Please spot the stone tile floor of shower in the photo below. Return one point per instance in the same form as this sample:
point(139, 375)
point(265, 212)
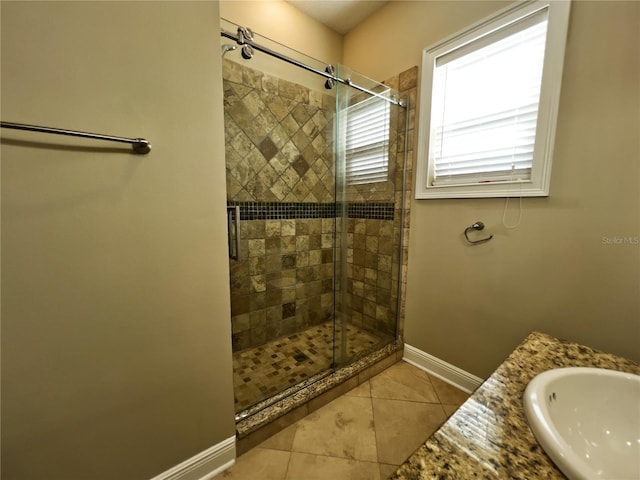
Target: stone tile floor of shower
point(362, 435)
point(262, 371)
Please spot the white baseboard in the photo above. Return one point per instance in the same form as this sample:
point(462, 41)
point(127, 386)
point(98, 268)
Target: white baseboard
point(441, 369)
point(205, 465)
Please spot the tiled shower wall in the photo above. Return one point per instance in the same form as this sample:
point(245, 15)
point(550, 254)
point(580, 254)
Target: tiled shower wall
point(406, 83)
point(280, 172)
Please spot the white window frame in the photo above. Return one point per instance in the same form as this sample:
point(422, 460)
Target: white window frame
point(538, 184)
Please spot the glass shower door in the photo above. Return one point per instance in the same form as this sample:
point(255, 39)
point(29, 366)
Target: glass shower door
point(370, 160)
point(280, 176)
point(315, 193)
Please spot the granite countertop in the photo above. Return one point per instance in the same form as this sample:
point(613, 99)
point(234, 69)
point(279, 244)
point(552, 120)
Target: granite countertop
point(488, 437)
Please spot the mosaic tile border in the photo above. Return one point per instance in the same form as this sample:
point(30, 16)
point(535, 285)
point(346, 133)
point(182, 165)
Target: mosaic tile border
point(291, 210)
point(372, 211)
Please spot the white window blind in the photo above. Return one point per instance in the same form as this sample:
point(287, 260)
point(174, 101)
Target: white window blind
point(367, 141)
point(485, 101)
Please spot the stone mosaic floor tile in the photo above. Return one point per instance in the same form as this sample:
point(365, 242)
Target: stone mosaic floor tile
point(262, 371)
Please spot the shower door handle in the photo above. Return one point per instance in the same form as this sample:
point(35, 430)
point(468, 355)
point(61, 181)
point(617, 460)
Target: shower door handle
point(233, 229)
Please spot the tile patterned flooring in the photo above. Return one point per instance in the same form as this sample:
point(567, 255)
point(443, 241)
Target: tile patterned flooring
point(362, 435)
point(260, 372)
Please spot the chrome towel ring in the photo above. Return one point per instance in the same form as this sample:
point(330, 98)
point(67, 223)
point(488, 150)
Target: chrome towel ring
point(476, 226)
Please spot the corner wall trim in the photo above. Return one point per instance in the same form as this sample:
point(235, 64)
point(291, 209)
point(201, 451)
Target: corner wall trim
point(204, 465)
point(439, 368)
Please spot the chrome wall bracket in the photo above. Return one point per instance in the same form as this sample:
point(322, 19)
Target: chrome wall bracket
point(245, 35)
point(330, 83)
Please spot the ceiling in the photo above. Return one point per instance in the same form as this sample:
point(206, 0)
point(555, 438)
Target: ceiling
point(339, 15)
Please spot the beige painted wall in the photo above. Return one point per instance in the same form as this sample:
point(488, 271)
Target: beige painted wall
point(391, 40)
point(116, 341)
point(283, 23)
point(556, 273)
point(288, 31)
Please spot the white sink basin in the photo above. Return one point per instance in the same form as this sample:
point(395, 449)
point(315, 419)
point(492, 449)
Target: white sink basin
point(588, 421)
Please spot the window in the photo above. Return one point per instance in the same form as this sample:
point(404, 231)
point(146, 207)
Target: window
point(487, 125)
point(367, 141)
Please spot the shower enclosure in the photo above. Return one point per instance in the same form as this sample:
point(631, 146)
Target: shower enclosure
point(315, 175)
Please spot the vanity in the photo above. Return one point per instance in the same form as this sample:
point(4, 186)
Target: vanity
point(489, 437)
